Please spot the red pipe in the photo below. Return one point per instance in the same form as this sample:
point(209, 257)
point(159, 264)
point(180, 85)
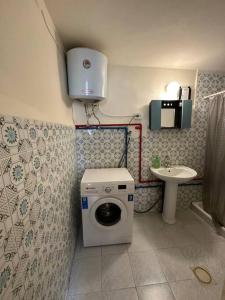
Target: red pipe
point(138, 126)
point(107, 125)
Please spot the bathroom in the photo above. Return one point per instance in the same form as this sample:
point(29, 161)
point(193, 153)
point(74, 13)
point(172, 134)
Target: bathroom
point(48, 140)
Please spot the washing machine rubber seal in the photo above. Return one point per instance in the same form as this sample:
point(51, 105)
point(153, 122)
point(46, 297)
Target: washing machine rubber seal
point(116, 201)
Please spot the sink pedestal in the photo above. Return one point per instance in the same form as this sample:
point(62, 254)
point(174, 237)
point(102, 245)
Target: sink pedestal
point(172, 177)
point(170, 201)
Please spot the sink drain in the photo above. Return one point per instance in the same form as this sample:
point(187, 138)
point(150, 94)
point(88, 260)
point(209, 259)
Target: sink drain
point(202, 275)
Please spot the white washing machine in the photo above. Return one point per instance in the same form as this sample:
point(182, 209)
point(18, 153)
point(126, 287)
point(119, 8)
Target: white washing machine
point(107, 206)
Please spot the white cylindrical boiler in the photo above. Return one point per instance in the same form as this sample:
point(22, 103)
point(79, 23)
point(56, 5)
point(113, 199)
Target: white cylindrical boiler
point(87, 74)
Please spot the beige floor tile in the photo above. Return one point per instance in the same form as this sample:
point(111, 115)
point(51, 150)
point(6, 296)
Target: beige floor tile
point(85, 276)
point(123, 294)
point(115, 249)
point(191, 289)
point(201, 231)
point(146, 268)
point(142, 241)
point(155, 292)
point(187, 216)
point(197, 254)
point(208, 256)
point(82, 251)
point(89, 296)
point(116, 272)
point(174, 265)
point(160, 239)
point(148, 222)
point(179, 235)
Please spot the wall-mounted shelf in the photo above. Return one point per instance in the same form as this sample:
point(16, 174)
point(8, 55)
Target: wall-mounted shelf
point(170, 114)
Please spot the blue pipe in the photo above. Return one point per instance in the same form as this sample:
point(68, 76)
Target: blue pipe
point(159, 185)
point(192, 184)
point(147, 186)
point(95, 127)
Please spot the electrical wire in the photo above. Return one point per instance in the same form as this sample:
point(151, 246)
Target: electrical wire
point(90, 112)
point(94, 114)
point(54, 39)
point(73, 113)
point(155, 203)
point(150, 208)
point(125, 150)
point(114, 116)
point(59, 46)
point(87, 113)
point(132, 118)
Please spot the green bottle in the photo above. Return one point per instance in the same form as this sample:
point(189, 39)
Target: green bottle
point(156, 162)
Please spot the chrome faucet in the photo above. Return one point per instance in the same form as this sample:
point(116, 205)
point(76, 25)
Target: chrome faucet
point(167, 162)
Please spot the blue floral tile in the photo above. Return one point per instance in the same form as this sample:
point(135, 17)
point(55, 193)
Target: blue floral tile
point(6, 274)
point(37, 185)
point(41, 146)
point(10, 134)
point(32, 133)
point(28, 239)
point(23, 207)
point(17, 173)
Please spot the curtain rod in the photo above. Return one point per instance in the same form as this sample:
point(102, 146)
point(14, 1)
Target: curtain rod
point(212, 95)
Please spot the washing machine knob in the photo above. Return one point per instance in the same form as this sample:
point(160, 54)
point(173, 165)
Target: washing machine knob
point(108, 189)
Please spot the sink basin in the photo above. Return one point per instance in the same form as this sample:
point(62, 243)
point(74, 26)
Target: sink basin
point(179, 174)
point(172, 177)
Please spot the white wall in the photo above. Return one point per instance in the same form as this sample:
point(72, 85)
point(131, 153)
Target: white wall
point(32, 69)
point(130, 89)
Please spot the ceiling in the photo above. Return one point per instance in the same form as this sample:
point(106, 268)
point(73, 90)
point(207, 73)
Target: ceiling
point(151, 33)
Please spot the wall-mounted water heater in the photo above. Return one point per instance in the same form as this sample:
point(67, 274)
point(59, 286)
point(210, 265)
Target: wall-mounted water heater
point(87, 74)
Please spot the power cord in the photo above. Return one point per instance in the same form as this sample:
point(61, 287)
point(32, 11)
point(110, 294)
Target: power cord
point(150, 208)
point(73, 113)
point(115, 116)
point(88, 116)
point(94, 114)
point(90, 112)
point(125, 150)
point(58, 45)
point(154, 204)
point(132, 118)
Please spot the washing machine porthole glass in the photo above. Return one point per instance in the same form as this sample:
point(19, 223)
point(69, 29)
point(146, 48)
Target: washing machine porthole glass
point(108, 214)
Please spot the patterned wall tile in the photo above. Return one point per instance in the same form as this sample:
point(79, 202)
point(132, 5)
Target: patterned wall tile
point(101, 148)
point(37, 205)
point(98, 148)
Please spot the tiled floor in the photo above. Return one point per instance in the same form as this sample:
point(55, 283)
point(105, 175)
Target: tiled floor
point(156, 266)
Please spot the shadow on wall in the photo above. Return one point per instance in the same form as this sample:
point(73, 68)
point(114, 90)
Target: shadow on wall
point(61, 56)
point(62, 71)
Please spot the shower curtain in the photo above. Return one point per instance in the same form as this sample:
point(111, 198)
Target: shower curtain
point(214, 177)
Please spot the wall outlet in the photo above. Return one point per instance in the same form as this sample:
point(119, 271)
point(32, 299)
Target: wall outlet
point(138, 117)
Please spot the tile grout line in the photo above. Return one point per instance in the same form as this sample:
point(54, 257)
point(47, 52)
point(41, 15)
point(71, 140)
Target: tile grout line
point(101, 270)
point(132, 271)
point(175, 298)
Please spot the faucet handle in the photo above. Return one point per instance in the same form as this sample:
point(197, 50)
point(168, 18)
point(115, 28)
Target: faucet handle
point(167, 161)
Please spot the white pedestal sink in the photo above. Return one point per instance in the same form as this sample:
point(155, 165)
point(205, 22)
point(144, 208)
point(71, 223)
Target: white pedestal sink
point(172, 177)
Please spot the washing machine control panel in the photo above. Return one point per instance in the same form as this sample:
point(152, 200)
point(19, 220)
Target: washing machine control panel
point(107, 188)
point(117, 188)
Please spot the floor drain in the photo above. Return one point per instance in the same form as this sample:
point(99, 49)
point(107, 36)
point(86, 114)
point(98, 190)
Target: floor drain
point(202, 275)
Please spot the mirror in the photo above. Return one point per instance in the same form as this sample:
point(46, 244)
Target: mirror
point(167, 118)
point(170, 114)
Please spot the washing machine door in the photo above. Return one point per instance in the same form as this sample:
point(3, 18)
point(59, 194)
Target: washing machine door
point(108, 213)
